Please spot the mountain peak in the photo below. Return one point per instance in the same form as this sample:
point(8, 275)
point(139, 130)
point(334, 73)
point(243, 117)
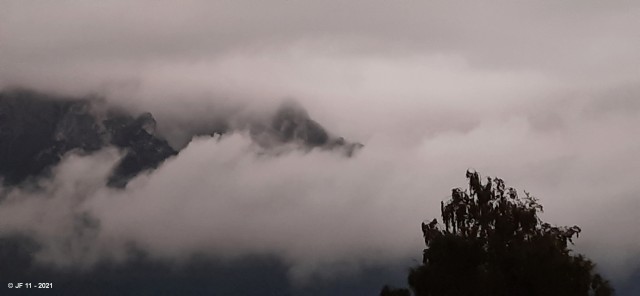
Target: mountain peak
point(36, 130)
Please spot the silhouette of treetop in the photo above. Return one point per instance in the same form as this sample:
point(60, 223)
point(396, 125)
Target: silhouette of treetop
point(493, 243)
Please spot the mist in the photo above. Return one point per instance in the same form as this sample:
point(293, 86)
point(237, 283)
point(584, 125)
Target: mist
point(543, 95)
point(223, 197)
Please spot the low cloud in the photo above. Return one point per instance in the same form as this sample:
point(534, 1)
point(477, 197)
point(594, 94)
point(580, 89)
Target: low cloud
point(319, 211)
point(542, 95)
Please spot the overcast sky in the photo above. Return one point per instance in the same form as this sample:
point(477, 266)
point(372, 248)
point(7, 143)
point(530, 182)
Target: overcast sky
point(544, 94)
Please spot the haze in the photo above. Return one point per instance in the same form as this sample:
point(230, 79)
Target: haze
point(542, 94)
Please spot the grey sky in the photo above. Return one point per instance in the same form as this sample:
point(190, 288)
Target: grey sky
point(542, 93)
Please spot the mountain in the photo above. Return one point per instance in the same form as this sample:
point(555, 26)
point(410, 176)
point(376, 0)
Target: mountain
point(291, 124)
point(37, 129)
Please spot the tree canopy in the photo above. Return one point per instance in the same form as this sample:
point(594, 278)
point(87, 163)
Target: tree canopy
point(492, 242)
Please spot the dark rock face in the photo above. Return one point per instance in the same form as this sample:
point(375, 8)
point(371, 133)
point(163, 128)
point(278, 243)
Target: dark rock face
point(37, 129)
point(136, 136)
point(292, 124)
point(28, 127)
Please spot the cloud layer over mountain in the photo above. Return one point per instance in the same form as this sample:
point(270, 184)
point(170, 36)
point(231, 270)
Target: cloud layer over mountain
point(544, 95)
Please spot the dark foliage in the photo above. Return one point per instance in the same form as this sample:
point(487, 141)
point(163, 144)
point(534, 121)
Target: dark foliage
point(493, 243)
point(391, 291)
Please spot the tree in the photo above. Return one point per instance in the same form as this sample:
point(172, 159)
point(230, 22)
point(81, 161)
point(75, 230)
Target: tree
point(494, 243)
point(390, 291)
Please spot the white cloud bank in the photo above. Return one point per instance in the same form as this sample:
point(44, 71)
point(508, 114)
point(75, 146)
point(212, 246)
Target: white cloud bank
point(319, 211)
point(542, 95)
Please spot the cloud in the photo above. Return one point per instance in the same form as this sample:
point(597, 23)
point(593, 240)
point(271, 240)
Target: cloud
point(543, 95)
point(264, 51)
point(51, 213)
point(361, 68)
point(318, 211)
